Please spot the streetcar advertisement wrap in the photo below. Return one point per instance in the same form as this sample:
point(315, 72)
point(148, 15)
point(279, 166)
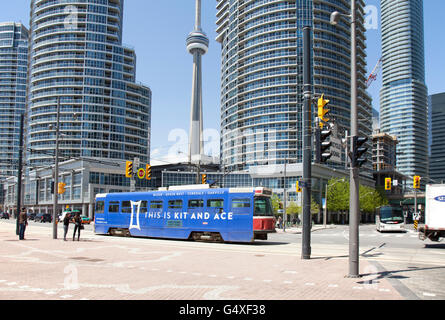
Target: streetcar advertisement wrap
point(213, 214)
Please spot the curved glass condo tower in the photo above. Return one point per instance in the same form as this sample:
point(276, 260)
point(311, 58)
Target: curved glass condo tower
point(77, 56)
point(262, 76)
point(403, 97)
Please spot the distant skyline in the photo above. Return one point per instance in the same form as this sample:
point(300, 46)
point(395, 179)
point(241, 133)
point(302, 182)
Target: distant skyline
point(157, 31)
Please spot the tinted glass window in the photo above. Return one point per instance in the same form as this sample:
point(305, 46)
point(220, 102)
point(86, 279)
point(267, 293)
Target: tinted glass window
point(126, 207)
point(144, 206)
point(175, 204)
point(241, 203)
point(100, 206)
point(263, 207)
point(215, 203)
point(113, 207)
point(156, 205)
point(196, 203)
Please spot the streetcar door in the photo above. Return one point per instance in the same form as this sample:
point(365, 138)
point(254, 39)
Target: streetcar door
point(242, 210)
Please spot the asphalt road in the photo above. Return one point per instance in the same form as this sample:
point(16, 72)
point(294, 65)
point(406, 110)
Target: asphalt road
point(416, 267)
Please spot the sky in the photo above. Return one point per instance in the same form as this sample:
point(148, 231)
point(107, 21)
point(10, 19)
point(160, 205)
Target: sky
point(157, 30)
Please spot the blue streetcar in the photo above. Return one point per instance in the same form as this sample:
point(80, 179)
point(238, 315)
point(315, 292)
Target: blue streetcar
point(188, 212)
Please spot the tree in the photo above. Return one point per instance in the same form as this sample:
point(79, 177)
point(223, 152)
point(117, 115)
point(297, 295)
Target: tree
point(275, 203)
point(293, 208)
point(338, 195)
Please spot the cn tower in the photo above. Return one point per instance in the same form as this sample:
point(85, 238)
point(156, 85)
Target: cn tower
point(197, 45)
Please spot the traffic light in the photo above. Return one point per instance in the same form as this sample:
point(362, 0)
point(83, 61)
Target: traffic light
point(61, 188)
point(358, 151)
point(322, 153)
point(204, 179)
point(417, 182)
point(322, 111)
point(129, 169)
point(388, 184)
point(148, 171)
point(299, 190)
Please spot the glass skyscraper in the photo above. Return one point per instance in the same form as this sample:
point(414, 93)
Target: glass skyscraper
point(76, 54)
point(403, 97)
point(262, 77)
point(437, 137)
point(13, 73)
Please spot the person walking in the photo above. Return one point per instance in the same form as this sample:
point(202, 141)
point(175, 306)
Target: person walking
point(77, 226)
point(66, 224)
point(23, 222)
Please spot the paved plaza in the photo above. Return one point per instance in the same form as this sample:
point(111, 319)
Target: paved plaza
point(110, 268)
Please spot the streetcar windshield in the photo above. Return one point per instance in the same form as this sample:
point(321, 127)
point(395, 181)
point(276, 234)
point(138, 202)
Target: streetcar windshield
point(263, 207)
point(391, 214)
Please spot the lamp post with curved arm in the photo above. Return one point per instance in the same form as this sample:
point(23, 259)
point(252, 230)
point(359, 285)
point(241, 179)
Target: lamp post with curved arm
point(354, 200)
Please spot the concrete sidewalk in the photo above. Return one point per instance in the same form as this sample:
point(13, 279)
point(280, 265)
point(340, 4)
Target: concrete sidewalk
point(110, 268)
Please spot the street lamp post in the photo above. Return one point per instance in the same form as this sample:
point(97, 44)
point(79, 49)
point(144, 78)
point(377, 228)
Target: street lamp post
point(354, 201)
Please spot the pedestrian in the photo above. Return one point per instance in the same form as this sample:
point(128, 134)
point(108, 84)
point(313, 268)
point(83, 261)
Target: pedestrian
point(23, 222)
point(280, 222)
point(77, 226)
point(66, 224)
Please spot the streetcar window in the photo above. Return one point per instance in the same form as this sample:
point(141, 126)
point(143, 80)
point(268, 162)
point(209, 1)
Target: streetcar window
point(241, 203)
point(144, 206)
point(100, 206)
point(196, 203)
point(215, 203)
point(156, 205)
point(126, 207)
point(113, 206)
point(263, 207)
point(175, 204)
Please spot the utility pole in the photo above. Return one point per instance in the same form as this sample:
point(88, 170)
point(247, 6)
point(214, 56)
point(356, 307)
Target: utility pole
point(307, 144)
point(56, 172)
point(19, 171)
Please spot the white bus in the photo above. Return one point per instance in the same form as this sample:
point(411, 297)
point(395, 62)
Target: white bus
point(390, 218)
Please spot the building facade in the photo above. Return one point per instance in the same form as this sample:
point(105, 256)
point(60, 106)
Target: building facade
point(262, 77)
point(403, 97)
point(437, 135)
point(384, 151)
point(13, 75)
point(77, 56)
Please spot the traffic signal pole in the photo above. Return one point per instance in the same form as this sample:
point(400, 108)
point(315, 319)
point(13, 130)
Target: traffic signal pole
point(307, 145)
point(354, 204)
point(19, 173)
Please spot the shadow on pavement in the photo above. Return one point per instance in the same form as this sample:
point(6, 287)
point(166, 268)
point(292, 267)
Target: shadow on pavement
point(435, 246)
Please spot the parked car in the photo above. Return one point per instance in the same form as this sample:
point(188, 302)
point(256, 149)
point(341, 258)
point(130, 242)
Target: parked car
point(4, 215)
point(86, 220)
point(31, 215)
point(43, 217)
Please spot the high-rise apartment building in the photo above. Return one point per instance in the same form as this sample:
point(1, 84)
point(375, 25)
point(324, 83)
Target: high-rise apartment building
point(76, 54)
point(403, 97)
point(437, 136)
point(13, 73)
point(262, 77)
